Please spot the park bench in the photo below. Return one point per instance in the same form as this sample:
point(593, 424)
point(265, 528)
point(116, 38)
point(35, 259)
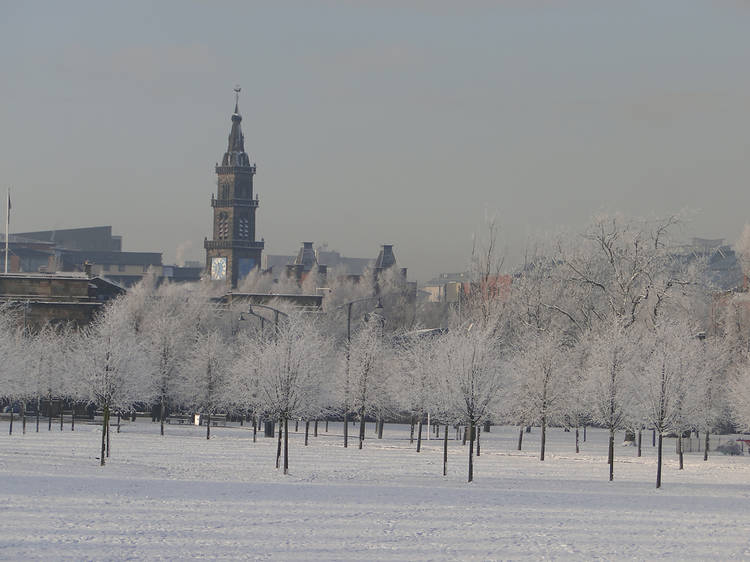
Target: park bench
point(180, 420)
point(217, 420)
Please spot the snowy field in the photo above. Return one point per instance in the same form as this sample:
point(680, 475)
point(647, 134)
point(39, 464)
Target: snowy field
point(181, 496)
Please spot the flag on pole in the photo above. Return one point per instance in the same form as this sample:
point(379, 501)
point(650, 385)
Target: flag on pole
point(7, 232)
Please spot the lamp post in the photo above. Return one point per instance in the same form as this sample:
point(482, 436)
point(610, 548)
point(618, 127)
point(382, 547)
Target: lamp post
point(349, 306)
point(276, 313)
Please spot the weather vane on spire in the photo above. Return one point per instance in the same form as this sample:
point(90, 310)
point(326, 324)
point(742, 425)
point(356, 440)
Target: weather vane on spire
point(237, 91)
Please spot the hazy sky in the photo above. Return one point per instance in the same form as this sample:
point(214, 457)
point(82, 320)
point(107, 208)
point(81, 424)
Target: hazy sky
point(379, 122)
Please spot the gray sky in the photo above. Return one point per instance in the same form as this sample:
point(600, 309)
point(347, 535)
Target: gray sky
point(379, 122)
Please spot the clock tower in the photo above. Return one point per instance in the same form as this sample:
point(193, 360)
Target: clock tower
point(233, 252)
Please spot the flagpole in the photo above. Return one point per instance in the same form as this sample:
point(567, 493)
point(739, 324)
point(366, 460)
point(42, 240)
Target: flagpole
point(7, 228)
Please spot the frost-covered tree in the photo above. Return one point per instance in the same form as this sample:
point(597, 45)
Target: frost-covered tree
point(739, 391)
point(608, 389)
point(13, 350)
point(47, 359)
point(286, 373)
point(168, 329)
point(626, 269)
point(415, 386)
point(109, 361)
point(709, 387)
point(468, 365)
point(660, 385)
point(366, 373)
point(541, 385)
point(742, 249)
point(205, 376)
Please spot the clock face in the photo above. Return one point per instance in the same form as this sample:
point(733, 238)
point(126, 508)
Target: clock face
point(218, 268)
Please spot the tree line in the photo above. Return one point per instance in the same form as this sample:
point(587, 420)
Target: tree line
point(616, 326)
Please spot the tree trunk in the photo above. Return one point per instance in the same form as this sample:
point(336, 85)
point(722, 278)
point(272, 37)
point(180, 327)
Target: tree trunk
point(61, 417)
point(653, 437)
point(361, 427)
point(478, 431)
point(208, 426)
point(326, 425)
point(161, 414)
point(286, 445)
point(307, 431)
point(296, 427)
point(658, 463)
point(445, 451)
point(578, 448)
point(640, 438)
point(346, 430)
point(73, 419)
point(544, 436)
point(23, 418)
point(49, 415)
point(37, 414)
point(411, 432)
point(584, 433)
point(10, 429)
point(679, 448)
point(381, 423)
point(520, 438)
point(108, 414)
point(419, 436)
point(104, 436)
point(471, 450)
point(611, 455)
point(315, 429)
point(466, 434)
point(118, 422)
point(705, 448)
point(278, 443)
point(255, 429)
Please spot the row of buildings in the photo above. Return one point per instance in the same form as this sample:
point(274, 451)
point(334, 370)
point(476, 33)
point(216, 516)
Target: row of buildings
point(83, 267)
point(67, 258)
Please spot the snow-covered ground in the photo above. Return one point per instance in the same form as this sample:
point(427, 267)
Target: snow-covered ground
point(181, 496)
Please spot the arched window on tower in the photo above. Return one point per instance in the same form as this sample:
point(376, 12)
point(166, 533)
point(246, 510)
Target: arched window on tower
point(244, 228)
point(223, 226)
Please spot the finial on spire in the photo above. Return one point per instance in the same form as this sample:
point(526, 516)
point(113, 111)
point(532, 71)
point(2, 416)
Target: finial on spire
point(237, 91)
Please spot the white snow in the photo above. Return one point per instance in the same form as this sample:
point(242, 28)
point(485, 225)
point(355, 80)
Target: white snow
point(181, 496)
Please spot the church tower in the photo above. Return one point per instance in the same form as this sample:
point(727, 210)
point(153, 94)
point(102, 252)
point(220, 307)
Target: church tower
point(233, 251)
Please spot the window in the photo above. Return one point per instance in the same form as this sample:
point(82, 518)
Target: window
point(222, 226)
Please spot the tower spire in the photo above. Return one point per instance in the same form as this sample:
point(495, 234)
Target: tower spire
point(237, 91)
point(235, 154)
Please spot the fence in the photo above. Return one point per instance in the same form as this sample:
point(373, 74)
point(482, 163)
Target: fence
point(697, 444)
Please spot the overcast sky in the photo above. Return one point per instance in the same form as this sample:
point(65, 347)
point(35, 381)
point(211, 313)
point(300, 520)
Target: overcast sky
point(379, 122)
